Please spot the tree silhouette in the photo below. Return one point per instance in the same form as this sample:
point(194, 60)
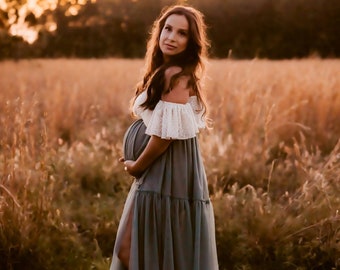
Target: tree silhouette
point(87, 28)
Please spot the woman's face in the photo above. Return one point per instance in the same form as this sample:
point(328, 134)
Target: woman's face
point(174, 36)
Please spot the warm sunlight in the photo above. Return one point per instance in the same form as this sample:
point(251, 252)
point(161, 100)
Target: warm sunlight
point(3, 5)
point(34, 8)
point(73, 10)
point(17, 15)
point(18, 25)
point(29, 34)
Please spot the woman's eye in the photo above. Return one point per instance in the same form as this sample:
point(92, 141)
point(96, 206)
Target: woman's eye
point(183, 33)
point(168, 28)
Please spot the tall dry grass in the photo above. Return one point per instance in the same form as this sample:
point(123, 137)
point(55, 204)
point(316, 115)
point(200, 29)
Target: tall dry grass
point(272, 160)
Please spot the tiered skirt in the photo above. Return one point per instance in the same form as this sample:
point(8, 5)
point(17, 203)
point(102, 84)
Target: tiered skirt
point(172, 217)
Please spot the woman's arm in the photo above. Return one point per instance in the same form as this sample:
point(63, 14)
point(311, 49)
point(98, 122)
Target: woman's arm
point(155, 147)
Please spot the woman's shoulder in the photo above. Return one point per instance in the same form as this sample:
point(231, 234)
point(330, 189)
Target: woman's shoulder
point(172, 70)
point(177, 91)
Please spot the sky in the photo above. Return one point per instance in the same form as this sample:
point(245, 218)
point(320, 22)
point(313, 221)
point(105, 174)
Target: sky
point(17, 14)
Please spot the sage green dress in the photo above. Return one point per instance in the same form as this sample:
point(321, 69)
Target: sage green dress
point(173, 221)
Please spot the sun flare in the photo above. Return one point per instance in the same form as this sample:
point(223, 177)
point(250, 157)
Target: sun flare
point(29, 34)
point(18, 26)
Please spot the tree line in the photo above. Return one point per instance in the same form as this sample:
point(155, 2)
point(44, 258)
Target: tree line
point(273, 29)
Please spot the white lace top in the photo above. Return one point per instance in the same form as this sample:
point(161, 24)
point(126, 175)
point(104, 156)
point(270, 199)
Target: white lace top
point(171, 120)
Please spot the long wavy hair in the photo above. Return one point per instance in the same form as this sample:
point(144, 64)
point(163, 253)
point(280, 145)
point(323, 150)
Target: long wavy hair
point(191, 60)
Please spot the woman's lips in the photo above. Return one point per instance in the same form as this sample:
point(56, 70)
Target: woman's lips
point(170, 47)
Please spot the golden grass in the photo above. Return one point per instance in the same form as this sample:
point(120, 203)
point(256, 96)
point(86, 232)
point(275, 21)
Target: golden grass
point(272, 160)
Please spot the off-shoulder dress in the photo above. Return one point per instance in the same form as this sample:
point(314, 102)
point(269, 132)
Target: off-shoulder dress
point(173, 221)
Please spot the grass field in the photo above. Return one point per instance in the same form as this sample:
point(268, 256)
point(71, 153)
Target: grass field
point(272, 159)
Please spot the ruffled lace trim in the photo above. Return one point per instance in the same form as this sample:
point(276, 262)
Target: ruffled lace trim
point(198, 112)
point(171, 120)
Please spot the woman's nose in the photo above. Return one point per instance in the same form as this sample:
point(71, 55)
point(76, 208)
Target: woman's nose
point(172, 36)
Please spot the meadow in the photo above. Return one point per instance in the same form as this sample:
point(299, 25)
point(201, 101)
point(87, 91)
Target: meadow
point(272, 158)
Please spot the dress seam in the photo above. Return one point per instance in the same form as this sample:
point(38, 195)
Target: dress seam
point(173, 197)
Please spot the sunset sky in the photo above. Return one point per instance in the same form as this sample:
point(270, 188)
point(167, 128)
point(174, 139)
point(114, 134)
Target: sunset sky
point(17, 14)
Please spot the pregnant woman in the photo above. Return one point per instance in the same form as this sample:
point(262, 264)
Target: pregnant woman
point(168, 220)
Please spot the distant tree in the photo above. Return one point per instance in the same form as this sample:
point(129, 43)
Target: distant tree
point(273, 29)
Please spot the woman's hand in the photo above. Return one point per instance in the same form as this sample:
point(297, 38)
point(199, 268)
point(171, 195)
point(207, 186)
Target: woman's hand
point(130, 167)
point(155, 147)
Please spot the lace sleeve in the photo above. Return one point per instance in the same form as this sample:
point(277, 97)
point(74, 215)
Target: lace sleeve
point(143, 113)
point(172, 121)
point(198, 112)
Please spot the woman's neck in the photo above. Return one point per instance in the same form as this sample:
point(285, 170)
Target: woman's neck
point(166, 59)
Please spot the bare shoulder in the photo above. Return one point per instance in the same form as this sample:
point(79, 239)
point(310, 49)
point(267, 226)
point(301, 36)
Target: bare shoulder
point(179, 93)
point(171, 71)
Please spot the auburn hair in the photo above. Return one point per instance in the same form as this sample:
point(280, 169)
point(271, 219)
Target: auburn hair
point(191, 60)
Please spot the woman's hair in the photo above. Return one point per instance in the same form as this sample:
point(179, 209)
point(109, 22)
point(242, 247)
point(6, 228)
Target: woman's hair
point(191, 60)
